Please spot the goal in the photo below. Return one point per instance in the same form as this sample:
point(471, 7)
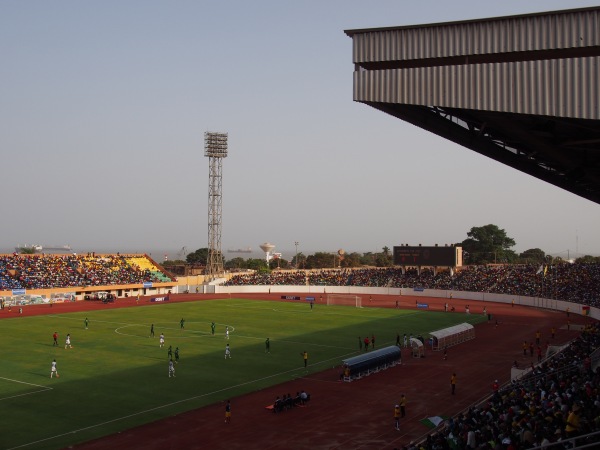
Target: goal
point(344, 300)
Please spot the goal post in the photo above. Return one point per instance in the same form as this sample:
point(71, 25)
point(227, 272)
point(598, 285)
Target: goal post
point(344, 300)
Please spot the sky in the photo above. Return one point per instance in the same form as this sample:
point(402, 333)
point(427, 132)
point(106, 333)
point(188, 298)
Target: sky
point(104, 105)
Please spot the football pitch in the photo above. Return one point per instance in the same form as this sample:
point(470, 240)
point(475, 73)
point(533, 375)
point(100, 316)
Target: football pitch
point(116, 375)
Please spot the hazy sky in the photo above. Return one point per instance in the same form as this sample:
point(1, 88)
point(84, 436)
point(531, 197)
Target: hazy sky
point(104, 105)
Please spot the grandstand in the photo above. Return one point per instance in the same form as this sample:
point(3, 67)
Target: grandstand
point(81, 276)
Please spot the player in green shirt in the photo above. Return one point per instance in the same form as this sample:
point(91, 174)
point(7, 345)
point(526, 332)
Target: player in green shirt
point(212, 328)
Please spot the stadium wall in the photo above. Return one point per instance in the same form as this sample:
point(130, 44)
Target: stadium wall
point(534, 302)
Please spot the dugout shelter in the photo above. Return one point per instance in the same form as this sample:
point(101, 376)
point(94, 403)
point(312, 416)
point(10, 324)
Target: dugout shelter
point(372, 362)
point(454, 335)
point(417, 348)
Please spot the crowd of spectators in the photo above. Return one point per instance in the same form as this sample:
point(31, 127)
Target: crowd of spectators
point(58, 271)
point(294, 278)
point(557, 401)
point(569, 282)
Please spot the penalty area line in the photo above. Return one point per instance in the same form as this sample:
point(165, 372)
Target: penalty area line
point(38, 391)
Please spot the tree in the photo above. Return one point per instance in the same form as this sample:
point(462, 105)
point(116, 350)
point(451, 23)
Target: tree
point(533, 256)
point(488, 244)
point(301, 262)
point(235, 263)
point(588, 259)
point(384, 259)
point(259, 265)
point(200, 256)
point(351, 260)
point(277, 263)
point(322, 260)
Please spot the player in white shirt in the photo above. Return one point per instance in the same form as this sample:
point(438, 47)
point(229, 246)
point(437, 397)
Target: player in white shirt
point(68, 341)
point(171, 369)
point(161, 340)
point(54, 370)
point(227, 352)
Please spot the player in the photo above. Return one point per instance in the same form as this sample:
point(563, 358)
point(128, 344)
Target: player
point(161, 340)
point(181, 323)
point(86, 322)
point(53, 369)
point(227, 352)
point(228, 412)
point(212, 328)
point(170, 352)
point(171, 369)
point(68, 341)
point(176, 355)
point(55, 337)
point(227, 333)
point(267, 346)
point(152, 330)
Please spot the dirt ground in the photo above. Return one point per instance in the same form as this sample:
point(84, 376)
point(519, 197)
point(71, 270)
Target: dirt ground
point(356, 415)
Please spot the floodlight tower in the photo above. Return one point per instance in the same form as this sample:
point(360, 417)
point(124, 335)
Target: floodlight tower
point(215, 147)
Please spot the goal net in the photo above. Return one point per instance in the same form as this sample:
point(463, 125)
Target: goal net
point(344, 300)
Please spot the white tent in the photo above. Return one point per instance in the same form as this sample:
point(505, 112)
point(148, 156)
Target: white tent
point(450, 336)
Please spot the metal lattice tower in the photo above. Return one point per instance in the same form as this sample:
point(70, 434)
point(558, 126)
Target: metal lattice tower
point(215, 147)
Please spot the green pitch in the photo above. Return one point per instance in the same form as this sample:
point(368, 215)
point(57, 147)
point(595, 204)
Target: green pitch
point(116, 375)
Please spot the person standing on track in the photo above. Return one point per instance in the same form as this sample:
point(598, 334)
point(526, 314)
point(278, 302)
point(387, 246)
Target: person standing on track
point(402, 405)
point(228, 412)
point(397, 417)
point(453, 383)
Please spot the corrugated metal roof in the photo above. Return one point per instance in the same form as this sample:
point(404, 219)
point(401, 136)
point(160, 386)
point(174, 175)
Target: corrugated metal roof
point(561, 88)
point(577, 28)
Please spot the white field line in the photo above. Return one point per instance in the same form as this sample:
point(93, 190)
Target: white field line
point(43, 388)
point(139, 413)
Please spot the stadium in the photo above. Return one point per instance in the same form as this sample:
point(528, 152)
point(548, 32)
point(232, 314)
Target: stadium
point(530, 330)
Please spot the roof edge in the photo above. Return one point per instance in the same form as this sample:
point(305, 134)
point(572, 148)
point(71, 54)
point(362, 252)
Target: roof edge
point(352, 32)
